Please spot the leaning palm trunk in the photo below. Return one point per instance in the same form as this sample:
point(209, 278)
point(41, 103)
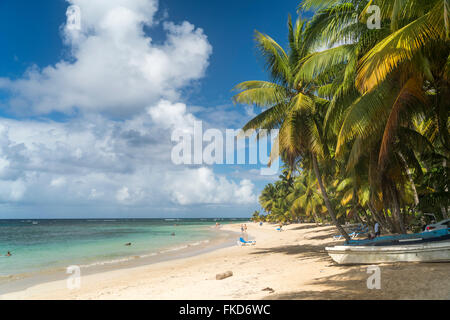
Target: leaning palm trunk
point(327, 200)
point(357, 215)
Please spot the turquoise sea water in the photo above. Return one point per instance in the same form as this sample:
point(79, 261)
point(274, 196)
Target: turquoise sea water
point(38, 245)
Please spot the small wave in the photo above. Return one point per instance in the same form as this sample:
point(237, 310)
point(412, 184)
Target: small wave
point(174, 249)
point(192, 244)
point(102, 263)
point(149, 255)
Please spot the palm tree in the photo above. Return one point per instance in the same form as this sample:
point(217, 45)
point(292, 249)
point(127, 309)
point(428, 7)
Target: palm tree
point(305, 196)
point(379, 81)
point(267, 198)
point(291, 106)
point(255, 216)
point(370, 113)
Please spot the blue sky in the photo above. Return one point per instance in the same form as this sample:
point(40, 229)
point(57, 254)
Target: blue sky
point(86, 115)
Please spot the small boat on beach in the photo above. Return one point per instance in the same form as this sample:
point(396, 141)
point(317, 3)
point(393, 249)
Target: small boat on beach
point(420, 247)
point(400, 239)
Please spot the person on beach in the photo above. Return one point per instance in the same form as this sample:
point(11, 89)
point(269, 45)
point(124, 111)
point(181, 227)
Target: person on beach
point(244, 232)
point(377, 229)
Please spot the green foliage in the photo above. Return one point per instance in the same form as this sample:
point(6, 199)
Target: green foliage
point(369, 107)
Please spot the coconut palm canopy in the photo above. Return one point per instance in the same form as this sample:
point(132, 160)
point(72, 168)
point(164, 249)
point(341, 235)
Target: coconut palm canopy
point(362, 112)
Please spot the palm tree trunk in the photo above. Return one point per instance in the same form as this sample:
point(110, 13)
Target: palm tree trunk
point(356, 207)
point(391, 221)
point(384, 223)
point(392, 201)
point(397, 212)
point(327, 200)
point(444, 212)
point(410, 178)
point(357, 216)
point(444, 209)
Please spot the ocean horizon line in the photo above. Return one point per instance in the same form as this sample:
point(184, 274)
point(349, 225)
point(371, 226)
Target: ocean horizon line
point(112, 218)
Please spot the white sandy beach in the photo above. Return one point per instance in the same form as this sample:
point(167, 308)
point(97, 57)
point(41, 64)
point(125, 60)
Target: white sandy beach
point(283, 265)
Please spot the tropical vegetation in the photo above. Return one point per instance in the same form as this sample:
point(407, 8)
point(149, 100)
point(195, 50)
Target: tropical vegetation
point(362, 113)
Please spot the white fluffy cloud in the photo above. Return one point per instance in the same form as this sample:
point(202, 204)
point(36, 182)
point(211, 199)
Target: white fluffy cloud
point(172, 116)
point(115, 67)
point(193, 186)
point(92, 159)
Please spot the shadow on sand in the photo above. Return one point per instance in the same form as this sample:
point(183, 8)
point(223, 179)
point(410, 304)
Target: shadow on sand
point(398, 280)
point(303, 251)
point(313, 226)
point(350, 285)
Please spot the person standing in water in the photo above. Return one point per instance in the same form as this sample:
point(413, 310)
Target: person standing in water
point(9, 254)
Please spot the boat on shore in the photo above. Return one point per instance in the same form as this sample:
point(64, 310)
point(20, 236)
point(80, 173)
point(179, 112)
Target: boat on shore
point(420, 247)
point(401, 239)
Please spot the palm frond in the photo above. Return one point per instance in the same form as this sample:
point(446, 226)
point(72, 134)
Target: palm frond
point(401, 46)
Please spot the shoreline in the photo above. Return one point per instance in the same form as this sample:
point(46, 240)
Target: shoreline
point(20, 282)
point(283, 265)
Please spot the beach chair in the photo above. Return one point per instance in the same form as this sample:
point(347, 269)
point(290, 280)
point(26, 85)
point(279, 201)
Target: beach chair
point(241, 242)
point(340, 237)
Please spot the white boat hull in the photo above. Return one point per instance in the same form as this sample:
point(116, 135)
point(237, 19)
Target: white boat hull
point(427, 252)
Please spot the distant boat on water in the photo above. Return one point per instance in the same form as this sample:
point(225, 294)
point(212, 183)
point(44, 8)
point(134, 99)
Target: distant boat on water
point(420, 247)
point(35, 222)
